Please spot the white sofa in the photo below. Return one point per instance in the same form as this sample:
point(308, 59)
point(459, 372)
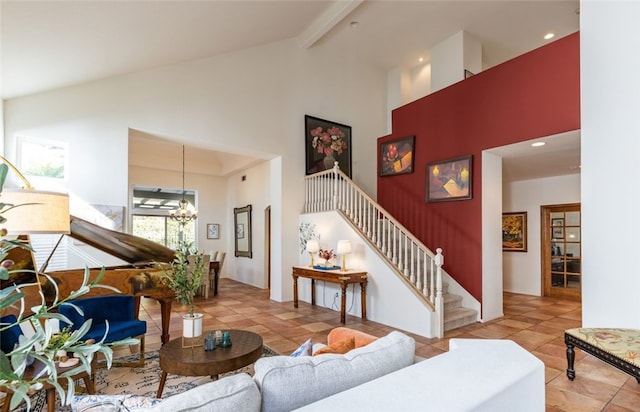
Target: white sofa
point(474, 375)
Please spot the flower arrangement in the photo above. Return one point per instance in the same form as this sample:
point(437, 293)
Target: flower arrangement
point(326, 254)
point(328, 141)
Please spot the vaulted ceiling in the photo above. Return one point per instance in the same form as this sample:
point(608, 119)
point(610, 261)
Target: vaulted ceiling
point(51, 44)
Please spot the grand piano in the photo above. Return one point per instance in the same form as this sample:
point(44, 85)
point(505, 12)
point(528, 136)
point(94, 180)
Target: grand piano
point(141, 277)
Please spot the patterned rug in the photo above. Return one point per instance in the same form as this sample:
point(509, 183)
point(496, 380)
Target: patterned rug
point(139, 381)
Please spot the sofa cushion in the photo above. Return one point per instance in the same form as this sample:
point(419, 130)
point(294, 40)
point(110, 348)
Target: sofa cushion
point(232, 393)
point(287, 383)
point(340, 347)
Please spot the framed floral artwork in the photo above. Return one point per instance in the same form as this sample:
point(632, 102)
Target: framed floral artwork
point(449, 179)
point(396, 156)
point(326, 142)
point(213, 231)
point(514, 232)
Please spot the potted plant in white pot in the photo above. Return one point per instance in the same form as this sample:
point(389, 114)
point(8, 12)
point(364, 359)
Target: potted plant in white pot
point(185, 278)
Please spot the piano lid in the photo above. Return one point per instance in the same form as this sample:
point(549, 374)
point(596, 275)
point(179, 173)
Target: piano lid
point(130, 248)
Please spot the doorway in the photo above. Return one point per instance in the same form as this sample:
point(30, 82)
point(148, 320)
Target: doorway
point(561, 251)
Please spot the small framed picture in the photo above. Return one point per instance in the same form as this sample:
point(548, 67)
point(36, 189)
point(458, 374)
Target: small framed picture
point(396, 156)
point(449, 179)
point(213, 231)
point(514, 232)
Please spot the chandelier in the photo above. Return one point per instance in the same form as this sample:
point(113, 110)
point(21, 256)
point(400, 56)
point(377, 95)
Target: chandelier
point(185, 213)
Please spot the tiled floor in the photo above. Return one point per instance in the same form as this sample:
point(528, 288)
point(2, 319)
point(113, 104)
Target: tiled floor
point(535, 323)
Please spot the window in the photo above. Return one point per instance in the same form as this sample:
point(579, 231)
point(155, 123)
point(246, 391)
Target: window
point(162, 229)
point(150, 220)
point(41, 158)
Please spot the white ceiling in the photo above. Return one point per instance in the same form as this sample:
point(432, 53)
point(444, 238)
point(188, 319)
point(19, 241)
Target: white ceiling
point(51, 44)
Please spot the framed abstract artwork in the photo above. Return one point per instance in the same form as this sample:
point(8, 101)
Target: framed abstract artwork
point(326, 142)
point(449, 179)
point(396, 156)
point(514, 232)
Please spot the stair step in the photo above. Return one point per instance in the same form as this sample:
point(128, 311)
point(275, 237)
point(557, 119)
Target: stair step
point(459, 317)
point(451, 302)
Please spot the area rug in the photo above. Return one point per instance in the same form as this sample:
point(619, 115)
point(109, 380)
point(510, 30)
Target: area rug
point(139, 381)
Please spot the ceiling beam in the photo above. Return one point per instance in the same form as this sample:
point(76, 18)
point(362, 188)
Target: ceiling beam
point(327, 21)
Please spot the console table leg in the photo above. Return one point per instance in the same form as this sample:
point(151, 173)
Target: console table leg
point(363, 297)
point(571, 356)
point(343, 303)
point(295, 291)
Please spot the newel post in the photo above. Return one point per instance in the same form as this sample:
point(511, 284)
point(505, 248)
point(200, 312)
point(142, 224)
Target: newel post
point(439, 303)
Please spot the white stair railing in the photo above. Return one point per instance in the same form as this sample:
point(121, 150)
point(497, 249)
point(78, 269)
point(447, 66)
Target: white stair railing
point(410, 258)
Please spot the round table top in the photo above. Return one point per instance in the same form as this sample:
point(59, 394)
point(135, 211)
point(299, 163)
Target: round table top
point(246, 348)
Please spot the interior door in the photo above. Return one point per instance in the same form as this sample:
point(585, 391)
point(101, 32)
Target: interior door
point(562, 251)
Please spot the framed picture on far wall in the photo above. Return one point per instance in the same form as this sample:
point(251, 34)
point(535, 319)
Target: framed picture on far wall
point(326, 142)
point(213, 231)
point(396, 156)
point(514, 232)
point(449, 179)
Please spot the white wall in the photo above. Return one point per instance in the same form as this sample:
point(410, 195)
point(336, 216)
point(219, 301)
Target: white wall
point(250, 102)
point(609, 37)
point(389, 300)
point(492, 270)
point(521, 270)
point(254, 191)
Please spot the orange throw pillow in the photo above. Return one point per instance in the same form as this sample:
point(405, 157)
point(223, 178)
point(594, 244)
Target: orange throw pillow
point(339, 347)
point(340, 333)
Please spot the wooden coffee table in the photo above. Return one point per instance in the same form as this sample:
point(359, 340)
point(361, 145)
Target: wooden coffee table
point(246, 348)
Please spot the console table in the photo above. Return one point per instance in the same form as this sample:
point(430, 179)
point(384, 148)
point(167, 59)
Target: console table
point(331, 276)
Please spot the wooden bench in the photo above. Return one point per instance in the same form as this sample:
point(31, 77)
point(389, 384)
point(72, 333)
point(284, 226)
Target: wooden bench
point(618, 347)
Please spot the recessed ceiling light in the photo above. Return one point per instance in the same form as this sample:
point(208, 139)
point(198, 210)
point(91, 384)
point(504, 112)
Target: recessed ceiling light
point(549, 36)
point(354, 24)
point(537, 144)
point(420, 59)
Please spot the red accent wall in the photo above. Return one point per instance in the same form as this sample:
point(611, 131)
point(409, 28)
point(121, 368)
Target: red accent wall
point(534, 95)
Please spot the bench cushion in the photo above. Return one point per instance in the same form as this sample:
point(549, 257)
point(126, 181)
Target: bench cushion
point(621, 343)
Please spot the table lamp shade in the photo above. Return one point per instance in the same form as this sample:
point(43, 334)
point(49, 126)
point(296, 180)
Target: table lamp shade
point(35, 211)
point(344, 247)
point(313, 246)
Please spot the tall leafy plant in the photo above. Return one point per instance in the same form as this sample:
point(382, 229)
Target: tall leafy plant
point(38, 347)
point(185, 278)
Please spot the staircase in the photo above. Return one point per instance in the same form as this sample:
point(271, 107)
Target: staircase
point(419, 267)
point(455, 316)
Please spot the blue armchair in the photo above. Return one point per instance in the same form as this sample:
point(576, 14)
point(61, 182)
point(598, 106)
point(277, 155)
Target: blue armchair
point(9, 337)
point(119, 310)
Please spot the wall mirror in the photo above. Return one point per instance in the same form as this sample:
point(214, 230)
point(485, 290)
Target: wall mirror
point(242, 220)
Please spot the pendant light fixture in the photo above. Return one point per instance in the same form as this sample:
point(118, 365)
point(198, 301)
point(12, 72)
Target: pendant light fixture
point(185, 213)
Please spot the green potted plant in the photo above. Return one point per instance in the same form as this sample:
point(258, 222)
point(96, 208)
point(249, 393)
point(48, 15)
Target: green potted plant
point(184, 279)
point(44, 343)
